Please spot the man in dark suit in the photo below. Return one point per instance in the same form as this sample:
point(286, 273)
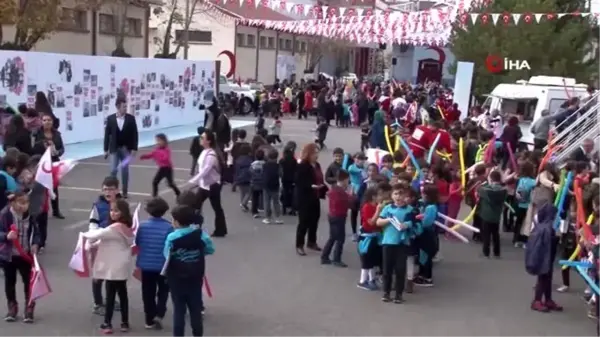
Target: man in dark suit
point(120, 141)
point(585, 153)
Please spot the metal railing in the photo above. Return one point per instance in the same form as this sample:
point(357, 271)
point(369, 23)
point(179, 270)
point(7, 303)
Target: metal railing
point(585, 126)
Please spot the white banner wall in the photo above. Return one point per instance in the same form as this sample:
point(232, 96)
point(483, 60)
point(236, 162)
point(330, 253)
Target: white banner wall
point(82, 89)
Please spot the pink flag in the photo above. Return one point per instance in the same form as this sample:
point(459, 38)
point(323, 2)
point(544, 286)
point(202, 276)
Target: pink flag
point(38, 285)
point(44, 174)
point(135, 225)
point(63, 167)
point(79, 262)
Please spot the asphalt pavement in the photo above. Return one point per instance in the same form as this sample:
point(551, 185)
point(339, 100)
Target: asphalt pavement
point(261, 287)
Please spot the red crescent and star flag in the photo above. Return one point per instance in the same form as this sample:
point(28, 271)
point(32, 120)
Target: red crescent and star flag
point(49, 174)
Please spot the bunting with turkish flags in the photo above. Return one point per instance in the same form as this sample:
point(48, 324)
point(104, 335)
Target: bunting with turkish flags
point(38, 283)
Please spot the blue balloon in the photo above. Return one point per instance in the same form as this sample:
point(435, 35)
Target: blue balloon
point(575, 264)
point(562, 199)
point(346, 161)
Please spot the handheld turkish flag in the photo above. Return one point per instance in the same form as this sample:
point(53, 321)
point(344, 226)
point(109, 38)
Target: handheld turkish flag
point(135, 225)
point(44, 174)
point(38, 285)
point(79, 262)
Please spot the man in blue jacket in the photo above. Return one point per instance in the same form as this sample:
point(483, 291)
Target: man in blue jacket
point(150, 240)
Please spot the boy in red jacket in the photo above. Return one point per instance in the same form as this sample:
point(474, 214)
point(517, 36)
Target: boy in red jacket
point(339, 204)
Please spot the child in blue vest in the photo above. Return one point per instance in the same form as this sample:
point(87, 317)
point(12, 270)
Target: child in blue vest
point(8, 183)
point(150, 240)
point(426, 236)
point(100, 218)
point(525, 186)
point(185, 251)
point(395, 242)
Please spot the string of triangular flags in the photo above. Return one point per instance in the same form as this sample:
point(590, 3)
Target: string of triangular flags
point(516, 18)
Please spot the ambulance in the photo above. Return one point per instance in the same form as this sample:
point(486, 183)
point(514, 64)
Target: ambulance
point(527, 99)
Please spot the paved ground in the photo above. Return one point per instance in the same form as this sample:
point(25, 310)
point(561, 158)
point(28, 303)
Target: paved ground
point(262, 287)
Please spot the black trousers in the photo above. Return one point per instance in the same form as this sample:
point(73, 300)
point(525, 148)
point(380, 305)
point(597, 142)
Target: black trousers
point(287, 197)
point(337, 237)
point(427, 242)
point(520, 215)
point(354, 217)
point(394, 266)
point(213, 194)
point(42, 220)
point(308, 223)
point(164, 173)
point(187, 296)
point(508, 218)
point(490, 233)
point(114, 288)
point(477, 224)
point(17, 265)
point(274, 139)
point(256, 197)
point(539, 144)
point(155, 292)
point(54, 202)
point(97, 292)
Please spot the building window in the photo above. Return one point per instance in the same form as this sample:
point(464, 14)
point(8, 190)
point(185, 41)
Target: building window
point(194, 36)
point(107, 24)
point(271, 43)
point(73, 19)
point(303, 47)
point(288, 44)
point(240, 41)
point(250, 40)
point(133, 27)
point(263, 42)
point(297, 46)
point(280, 44)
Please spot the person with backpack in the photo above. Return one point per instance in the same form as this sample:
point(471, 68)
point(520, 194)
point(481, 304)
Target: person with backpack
point(539, 258)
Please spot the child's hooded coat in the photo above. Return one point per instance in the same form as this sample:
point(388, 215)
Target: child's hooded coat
point(540, 245)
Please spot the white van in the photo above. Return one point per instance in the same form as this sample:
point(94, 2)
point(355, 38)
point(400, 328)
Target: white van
point(527, 99)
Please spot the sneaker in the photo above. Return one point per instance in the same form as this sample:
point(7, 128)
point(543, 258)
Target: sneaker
point(266, 221)
point(278, 221)
point(437, 258)
point(539, 306)
point(325, 261)
point(244, 208)
point(150, 326)
point(421, 282)
point(98, 310)
point(363, 285)
point(592, 314)
point(410, 286)
point(354, 237)
point(158, 322)
point(256, 216)
point(518, 245)
point(124, 327)
point(398, 299)
point(562, 289)
point(106, 329)
point(552, 306)
point(11, 315)
point(386, 298)
point(373, 285)
point(340, 264)
point(28, 315)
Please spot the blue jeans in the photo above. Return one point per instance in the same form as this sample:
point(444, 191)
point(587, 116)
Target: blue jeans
point(115, 159)
point(187, 296)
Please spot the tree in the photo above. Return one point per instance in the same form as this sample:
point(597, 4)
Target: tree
point(319, 46)
point(34, 21)
point(119, 10)
point(173, 14)
point(557, 47)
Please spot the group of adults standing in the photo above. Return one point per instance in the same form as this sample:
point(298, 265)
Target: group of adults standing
point(32, 131)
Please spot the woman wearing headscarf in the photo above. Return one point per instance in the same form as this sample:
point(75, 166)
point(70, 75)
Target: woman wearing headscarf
point(377, 131)
point(310, 188)
point(49, 137)
point(18, 136)
point(43, 107)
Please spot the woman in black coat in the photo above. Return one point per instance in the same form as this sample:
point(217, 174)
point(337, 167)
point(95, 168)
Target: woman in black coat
point(49, 137)
point(18, 136)
point(310, 188)
point(43, 107)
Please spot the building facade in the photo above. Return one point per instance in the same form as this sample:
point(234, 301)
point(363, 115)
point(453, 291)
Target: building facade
point(258, 54)
point(93, 32)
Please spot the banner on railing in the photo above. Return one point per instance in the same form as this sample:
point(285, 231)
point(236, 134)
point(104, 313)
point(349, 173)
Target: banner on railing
point(82, 90)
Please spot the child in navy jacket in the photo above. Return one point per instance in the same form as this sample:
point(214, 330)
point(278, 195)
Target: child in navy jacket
point(150, 240)
point(242, 174)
